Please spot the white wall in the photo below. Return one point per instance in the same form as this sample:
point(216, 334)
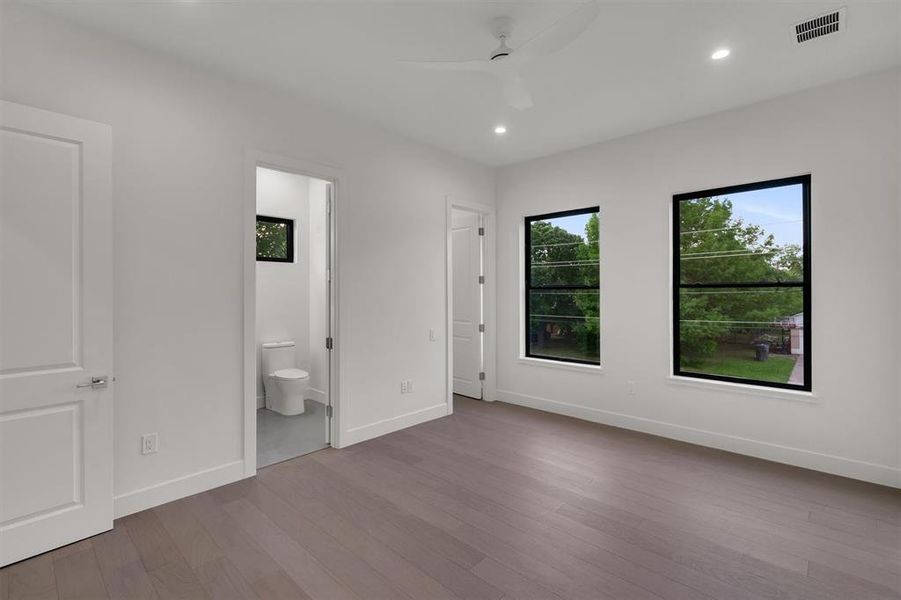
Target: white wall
point(179, 137)
point(283, 289)
point(846, 136)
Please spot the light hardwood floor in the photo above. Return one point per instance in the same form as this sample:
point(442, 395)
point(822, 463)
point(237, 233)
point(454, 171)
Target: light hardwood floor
point(494, 502)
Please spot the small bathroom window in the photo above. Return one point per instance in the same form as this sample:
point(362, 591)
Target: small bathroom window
point(275, 239)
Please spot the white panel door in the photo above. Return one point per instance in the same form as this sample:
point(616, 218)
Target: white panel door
point(467, 303)
point(56, 331)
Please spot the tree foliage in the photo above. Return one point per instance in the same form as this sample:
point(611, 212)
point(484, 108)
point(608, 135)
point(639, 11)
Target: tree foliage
point(561, 258)
point(718, 248)
point(272, 240)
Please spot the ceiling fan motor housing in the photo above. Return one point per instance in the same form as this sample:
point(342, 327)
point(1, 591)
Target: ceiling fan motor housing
point(503, 50)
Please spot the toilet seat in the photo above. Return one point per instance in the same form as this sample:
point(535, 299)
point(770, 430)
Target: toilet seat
point(290, 374)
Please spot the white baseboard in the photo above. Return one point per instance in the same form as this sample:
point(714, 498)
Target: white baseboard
point(827, 463)
point(372, 430)
point(317, 395)
point(180, 487)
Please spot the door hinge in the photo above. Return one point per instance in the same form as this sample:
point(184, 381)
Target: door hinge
point(482, 376)
point(481, 328)
point(329, 343)
point(328, 204)
point(481, 231)
point(328, 411)
point(481, 279)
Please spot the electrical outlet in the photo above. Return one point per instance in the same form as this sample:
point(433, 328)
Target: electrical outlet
point(630, 388)
point(406, 386)
point(432, 335)
point(150, 443)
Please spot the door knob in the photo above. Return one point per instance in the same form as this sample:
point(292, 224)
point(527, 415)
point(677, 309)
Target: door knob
point(96, 382)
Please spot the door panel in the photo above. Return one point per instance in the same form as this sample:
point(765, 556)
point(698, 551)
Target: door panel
point(467, 304)
point(55, 330)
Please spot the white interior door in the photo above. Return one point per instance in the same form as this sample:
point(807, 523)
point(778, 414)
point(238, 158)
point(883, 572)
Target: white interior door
point(467, 302)
point(56, 331)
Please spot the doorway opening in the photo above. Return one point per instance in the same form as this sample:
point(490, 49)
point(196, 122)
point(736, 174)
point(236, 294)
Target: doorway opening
point(470, 301)
point(292, 337)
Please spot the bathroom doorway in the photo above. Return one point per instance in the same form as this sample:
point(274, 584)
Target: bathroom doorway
point(291, 325)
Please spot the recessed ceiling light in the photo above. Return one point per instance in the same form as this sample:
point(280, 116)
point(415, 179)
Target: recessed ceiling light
point(720, 54)
point(500, 130)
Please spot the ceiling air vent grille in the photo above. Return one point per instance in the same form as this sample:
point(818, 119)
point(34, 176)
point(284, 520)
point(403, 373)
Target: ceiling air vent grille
point(829, 23)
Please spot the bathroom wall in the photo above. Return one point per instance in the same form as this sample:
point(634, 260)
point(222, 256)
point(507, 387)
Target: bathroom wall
point(283, 289)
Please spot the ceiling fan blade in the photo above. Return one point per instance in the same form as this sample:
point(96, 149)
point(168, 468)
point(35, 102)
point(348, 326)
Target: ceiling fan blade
point(515, 92)
point(559, 35)
point(450, 65)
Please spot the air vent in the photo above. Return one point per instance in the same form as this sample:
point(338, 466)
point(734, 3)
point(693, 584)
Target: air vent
point(833, 22)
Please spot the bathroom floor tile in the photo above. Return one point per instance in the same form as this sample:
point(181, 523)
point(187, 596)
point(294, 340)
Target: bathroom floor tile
point(280, 437)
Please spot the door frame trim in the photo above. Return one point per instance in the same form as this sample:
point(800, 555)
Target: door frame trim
point(254, 158)
point(489, 362)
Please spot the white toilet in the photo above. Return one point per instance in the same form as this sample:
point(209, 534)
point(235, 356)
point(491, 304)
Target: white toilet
point(285, 385)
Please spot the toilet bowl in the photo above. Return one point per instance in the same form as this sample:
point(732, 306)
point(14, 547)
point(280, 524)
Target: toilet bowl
point(284, 384)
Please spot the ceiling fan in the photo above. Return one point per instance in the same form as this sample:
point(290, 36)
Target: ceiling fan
point(505, 63)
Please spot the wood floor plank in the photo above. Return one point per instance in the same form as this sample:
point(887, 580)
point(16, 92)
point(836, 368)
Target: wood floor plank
point(32, 579)
point(514, 585)
point(191, 538)
point(278, 586)
point(222, 580)
point(352, 503)
point(4, 584)
point(248, 557)
point(391, 565)
point(731, 568)
point(536, 538)
point(497, 502)
point(296, 561)
point(177, 581)
point(121, 566)
point(343, 564)
point(570, 563)
point(154, 544)
point(167, 567)
point(78, 576)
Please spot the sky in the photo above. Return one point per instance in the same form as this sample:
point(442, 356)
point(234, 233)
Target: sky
point(776, 210)
point(574, 224)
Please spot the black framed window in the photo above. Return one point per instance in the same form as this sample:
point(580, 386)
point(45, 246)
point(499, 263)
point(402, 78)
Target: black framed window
point(741, 292)
point(562, 277)
point(275, 239)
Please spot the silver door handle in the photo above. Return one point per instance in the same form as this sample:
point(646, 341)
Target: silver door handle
point(96, 382)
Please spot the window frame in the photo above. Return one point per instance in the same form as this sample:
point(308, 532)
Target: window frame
point(527, 221)
point(805, 285)
point(290, 233)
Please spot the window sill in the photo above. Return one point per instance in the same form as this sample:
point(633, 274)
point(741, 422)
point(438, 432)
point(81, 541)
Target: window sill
point(565, 366)
point(745, 388)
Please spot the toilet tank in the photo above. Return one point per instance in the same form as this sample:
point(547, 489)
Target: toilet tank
point(277, 356)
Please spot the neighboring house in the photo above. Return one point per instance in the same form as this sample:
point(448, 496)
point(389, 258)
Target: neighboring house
point(795, 324)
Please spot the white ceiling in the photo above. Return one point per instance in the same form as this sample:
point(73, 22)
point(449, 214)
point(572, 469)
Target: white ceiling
point(639, 65)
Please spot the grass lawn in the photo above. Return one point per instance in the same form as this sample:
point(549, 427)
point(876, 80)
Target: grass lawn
point(733, 360)
point(561, 349)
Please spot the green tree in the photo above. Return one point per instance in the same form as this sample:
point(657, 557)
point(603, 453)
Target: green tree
point(559, 257)
point(717, 247)
point(272, 239)
point(589, 303)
